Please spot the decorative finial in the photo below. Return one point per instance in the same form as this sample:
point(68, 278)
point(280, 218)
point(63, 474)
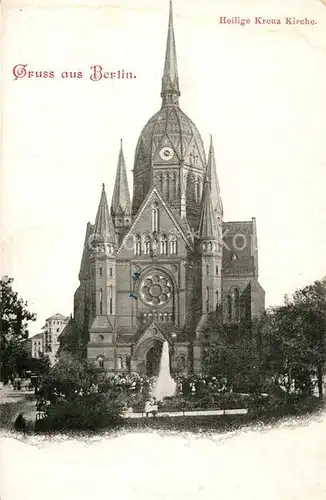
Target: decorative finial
point(121, 142)
point(170, 82)
point(103, 187)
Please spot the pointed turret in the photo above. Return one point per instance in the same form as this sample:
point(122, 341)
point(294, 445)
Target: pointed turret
point(84, 266)
point(121, 196)
point(208, 228)
point(210, 248)
point(103, 227)
point(212, 180)
point(170, 82)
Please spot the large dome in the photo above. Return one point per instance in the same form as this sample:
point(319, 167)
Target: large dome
point(172, 125)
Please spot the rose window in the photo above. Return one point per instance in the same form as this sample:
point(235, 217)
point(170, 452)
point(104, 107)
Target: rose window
point(155, 290)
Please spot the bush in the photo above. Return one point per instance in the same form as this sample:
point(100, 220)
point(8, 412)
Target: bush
point(291, 404)
point(233, 401)
point(207, 402)
point(83, 412)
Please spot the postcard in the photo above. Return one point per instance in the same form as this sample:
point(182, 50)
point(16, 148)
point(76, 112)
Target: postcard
point(162, 264)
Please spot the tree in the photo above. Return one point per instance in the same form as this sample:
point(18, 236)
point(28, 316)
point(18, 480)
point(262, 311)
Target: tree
point(285, 348)
point(294, 345)
point(70, 376)
point(76, 395)
point(231, 353)
point(14, 318)
point(38, 366)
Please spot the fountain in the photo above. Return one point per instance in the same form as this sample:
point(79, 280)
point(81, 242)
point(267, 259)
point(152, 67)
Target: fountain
point(165, 385)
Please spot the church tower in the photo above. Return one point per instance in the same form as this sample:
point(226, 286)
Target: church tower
point(170, 152)
point(210, 237)
point(103, 274)
point(155, 267)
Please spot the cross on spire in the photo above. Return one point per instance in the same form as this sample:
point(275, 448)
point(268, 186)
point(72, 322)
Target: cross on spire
point(170, 82)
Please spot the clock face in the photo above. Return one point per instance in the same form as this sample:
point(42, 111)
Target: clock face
point(166, 153)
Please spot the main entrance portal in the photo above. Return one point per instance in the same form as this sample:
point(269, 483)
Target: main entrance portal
point(153, 359)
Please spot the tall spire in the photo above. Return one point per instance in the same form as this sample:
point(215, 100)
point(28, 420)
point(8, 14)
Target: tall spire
point(121, 196)
point(170, 82)
point(208, 228)
point(103, 227)
point(84, 267)
point(212, 180)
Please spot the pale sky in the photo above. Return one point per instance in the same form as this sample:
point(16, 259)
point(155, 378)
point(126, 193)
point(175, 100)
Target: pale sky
point(258, 89)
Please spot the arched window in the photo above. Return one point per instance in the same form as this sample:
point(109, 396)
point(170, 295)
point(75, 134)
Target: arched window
point(173, 186)
point(137, 245)
point(191, 188)
point(100, 362)
point(110, 300)
point(216, 270)
point(207, 270)
point(120, 363)
point(160, 181)
point(207, 299)
point(101, 301)
point(166, 185)
point(198, 190)
point(236, 302)
point(182, 363)
point(147, 245)
point(155, 218)
point(128, 363)
point(229, 308)
point(216, 293)
point(163, 244)
point(173, 244)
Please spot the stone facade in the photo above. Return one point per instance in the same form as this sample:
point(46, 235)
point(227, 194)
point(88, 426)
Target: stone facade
point(155, 267)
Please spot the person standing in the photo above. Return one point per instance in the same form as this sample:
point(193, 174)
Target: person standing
point(154, 407)
point(148, 407)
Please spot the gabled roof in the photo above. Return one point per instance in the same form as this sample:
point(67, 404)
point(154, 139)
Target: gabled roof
point(176, 221)
point(148, 333)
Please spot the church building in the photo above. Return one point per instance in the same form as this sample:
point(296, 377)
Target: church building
point(158, 265)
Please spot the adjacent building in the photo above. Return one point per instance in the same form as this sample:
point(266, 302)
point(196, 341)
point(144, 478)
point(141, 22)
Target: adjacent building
point(37, 345)
point(47, 342)
point(159, 265)
point(51, 331)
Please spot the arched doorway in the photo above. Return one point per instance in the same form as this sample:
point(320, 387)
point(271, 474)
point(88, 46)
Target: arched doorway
point(153, 359)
